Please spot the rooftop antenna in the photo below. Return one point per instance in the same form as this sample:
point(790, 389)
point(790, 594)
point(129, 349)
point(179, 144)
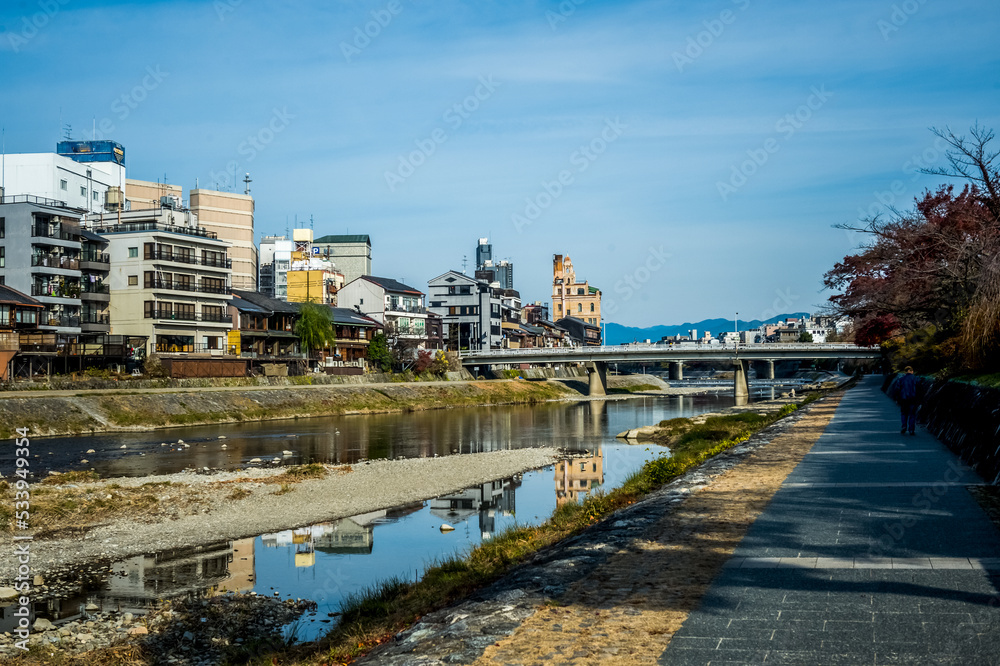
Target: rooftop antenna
point(247, 180)
point(287, 232)
point(68, 132)
point(94, 135)
point(3, 161)
point(312, 226)
point(465, 262)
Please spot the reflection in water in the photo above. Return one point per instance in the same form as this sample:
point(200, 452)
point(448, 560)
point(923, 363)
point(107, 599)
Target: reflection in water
point(332, 560)
point(349, 439)
point(484, 501)
point(575, 477)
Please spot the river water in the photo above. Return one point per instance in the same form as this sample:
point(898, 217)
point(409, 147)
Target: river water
point(330, 561)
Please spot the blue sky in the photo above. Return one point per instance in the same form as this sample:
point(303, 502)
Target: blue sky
point(705, 149)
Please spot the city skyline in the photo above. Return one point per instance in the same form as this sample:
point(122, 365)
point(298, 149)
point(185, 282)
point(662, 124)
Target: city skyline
point(692, 161)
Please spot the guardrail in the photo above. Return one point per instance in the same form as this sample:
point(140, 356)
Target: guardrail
point(615, 349)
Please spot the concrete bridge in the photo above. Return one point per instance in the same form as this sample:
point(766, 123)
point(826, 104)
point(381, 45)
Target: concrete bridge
point(596, 359)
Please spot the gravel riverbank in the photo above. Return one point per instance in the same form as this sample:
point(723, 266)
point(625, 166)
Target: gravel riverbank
point(189, 509)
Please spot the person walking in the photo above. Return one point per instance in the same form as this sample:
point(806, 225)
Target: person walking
point(906, 394)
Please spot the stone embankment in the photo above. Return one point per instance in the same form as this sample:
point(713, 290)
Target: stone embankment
point(68, 413)
point(966, 417)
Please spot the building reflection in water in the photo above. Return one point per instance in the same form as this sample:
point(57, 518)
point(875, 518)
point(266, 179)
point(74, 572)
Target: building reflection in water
point(575, 477)
point(486, 501)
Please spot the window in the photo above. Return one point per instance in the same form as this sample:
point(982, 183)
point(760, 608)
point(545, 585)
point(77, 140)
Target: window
point(148, 308)
point(579, 307)
point(465, 289)
point(95, 196)
point(361, 301)
point(83, 191)
point(579, 292)
point(133, 280)
point(133, 252)
point(211, 313)
point(63, 185)
point(3, 227)
point(591, 307)
point(3, 257)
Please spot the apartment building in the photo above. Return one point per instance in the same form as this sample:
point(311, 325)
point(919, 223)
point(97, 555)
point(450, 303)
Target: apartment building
point(230, 216)
point(470, 311)
point(40, 251)
point(170, 279)
point(351, 252)
point(399, 308)
point(87, 175)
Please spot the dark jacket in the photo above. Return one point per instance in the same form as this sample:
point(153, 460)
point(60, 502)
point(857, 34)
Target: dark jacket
point(906, 388)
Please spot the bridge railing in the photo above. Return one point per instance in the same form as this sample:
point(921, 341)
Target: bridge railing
point(644, 347)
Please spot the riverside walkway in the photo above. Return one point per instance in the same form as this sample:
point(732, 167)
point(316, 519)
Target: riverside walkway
point(871, 552)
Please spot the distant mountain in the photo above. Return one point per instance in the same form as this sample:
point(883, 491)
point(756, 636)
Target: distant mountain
point(617, 334)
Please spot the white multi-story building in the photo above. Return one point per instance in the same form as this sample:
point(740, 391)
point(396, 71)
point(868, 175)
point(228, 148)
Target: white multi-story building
point(275, 261)
point(170, 279)
point(470, 310)
point(89, 175)
point(398, 307)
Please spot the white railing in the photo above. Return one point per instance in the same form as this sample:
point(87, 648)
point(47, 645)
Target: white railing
point(647, 347)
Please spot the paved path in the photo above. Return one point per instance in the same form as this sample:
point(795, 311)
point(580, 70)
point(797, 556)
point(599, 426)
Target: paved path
point(872, 552)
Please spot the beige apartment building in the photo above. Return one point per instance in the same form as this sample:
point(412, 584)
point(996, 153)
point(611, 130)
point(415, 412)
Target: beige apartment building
point(230, 215)
point(143, 194)
point(227, 214)
point(169, 279)
point(571, 298)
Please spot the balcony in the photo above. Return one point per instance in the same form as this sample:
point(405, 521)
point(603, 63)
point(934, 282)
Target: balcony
point(412, 309)
point(174, 285)
point(95, 261)
point(94, 322)
point(55, 291)
point(61, 320)
point(159, 255)
point(60, 261)
point(95, 292)
point(55, 231)
point(188, 316)
point(94, 318)
point(134, 227)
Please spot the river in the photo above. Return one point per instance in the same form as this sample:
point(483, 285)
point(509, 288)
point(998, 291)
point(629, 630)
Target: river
point(329, 561)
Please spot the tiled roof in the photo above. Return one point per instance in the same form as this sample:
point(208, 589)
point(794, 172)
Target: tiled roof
point(8, 295)
point(391, 285)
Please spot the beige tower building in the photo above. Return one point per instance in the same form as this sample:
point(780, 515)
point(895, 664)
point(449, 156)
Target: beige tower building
point(143, 194)
point(230, 215)
point(571, 298)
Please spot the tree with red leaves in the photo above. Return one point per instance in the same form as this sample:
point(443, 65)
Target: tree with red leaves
point(936, 266)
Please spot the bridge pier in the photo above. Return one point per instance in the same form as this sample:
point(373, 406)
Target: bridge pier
point(770, 369)
point(598, 376)
point(741, 386)
point(677, 370)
